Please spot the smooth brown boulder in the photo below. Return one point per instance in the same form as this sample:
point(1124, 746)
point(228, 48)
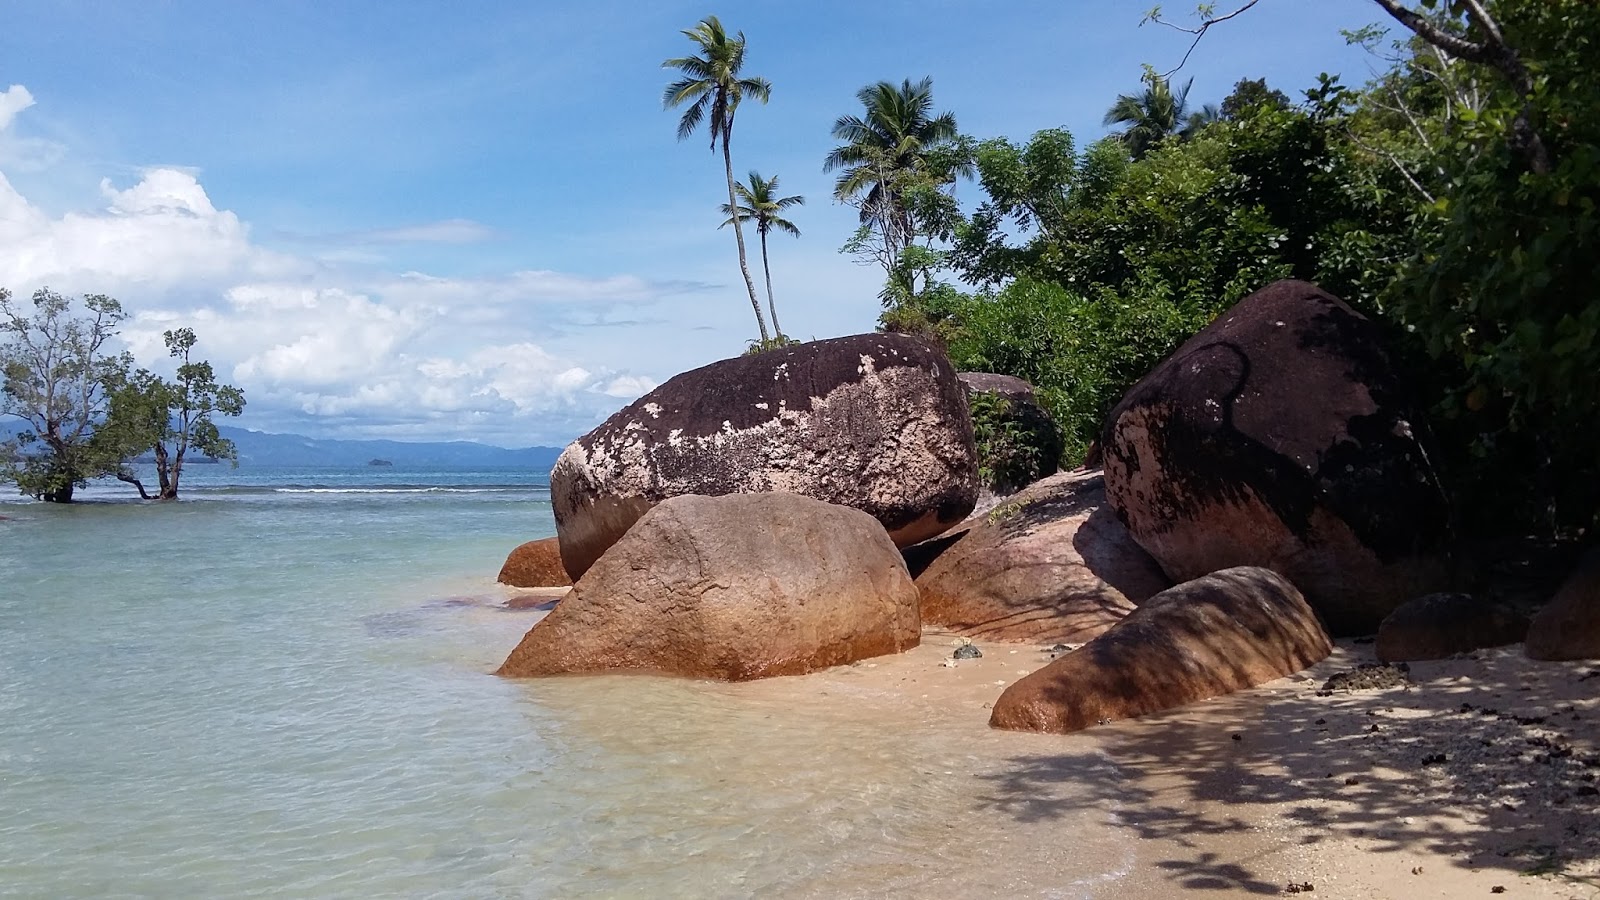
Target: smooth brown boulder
point(1050, 564)
point(535, 564)
point(731, 588)
point(1225, 632)
point(1437, 626)
point(1568, 627)
point(877, 422)
point(1280, 436)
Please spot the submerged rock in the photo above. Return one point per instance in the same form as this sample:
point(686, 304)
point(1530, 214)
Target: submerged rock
point(1280, 436)
point(1048, 564)
point(731, 588)
point(877, 422)
point(1225, 632)
point(535, 564)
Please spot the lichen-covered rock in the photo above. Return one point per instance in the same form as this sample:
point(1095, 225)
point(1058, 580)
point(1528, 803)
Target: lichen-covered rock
point(877, 422)
point(1006, 387)
point(731, 588)
point(1436, 626)
point(1048, 564)
point(1568, 627)
point(1280, 436)
point(1225, 632)
point(535, 564)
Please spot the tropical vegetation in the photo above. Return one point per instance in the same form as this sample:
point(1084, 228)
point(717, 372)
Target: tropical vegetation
point(759, 202)
point(711, 89)
point(86, 413)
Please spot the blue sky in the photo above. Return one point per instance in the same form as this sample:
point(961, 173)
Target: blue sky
point(473, 220)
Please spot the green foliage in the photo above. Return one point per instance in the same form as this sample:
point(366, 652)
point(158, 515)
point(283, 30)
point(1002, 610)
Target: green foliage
point(1080, 353)
point(711, 89)
point(171, 418)
point(58, 378)
point(1017, 442)
point(1453, 200)
point(895, 166)
point(1501, 285)
point(775, 342)
point(759, 200)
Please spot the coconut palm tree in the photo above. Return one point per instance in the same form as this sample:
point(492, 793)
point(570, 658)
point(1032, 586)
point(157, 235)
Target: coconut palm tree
point(712, 84)
point(1150, 115)
point(760, 201)
point(885, 148)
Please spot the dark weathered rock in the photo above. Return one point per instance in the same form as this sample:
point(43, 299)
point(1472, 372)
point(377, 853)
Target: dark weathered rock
point(731, 588)
point(877, 422)
point(1568, 627)
point(967, 651)
point(1225, 632)
point(1050, 563)
point(535, 564)
point(1280, 436)
point(1436, 626)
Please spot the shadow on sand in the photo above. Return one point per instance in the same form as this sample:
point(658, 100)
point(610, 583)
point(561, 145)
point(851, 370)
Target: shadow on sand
point(1487, 763)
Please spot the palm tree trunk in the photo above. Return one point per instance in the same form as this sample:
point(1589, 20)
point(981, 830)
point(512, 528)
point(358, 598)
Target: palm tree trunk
point(766, 268)
point(738, 234)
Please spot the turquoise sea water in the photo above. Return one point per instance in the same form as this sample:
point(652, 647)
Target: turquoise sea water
point(278, 687)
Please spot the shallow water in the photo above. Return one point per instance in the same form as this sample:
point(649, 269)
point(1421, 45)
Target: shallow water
point(279, 687)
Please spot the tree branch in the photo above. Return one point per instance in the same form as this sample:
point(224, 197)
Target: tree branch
point(1199, 32)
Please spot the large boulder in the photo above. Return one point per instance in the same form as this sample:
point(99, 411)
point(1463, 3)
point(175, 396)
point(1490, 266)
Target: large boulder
point(1436, 626)
point(731, 588)
point(1568, 627)
point(1049, 564)
point(1218, 634)
point(1280, 436)
point(535, 564)
point(877, 422)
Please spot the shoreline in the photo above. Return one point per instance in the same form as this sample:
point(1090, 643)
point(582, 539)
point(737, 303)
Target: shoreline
point(1395, 792)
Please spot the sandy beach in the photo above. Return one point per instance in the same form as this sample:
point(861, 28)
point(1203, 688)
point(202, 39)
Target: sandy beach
point(1474, 776)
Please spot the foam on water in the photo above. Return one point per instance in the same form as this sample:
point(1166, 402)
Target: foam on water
point(265, 696)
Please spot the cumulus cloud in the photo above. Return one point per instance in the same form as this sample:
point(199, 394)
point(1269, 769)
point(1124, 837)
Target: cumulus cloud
point(325, 349)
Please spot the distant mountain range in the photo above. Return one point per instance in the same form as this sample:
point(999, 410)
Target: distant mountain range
point(258, 448)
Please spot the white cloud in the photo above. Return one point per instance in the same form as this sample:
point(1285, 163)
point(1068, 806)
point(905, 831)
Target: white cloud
point(13, 100)
point(333, 348)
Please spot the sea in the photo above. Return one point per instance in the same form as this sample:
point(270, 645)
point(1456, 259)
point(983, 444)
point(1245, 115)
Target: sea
point(280, 686)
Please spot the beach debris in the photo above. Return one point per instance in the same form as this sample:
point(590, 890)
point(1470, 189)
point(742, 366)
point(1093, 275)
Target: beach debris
point(1368, 677)
point(1299, 887)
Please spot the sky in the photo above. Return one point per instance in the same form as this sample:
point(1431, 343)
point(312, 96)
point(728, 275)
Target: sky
point(473, 221)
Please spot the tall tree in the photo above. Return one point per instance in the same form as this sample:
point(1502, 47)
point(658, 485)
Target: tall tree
point(1150, 115)
point(170, 418)
point(58, 378)
point(890, 151)
point(759, 201)
point(713, 88)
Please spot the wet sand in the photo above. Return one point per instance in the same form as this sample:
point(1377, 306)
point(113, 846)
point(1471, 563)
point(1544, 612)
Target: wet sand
point(1481, 773)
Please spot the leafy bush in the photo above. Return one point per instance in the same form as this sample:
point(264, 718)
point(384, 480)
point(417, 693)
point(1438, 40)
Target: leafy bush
point(1018, 443)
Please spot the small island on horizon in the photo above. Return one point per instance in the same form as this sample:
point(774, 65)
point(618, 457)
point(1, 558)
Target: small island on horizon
point(379, 462)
